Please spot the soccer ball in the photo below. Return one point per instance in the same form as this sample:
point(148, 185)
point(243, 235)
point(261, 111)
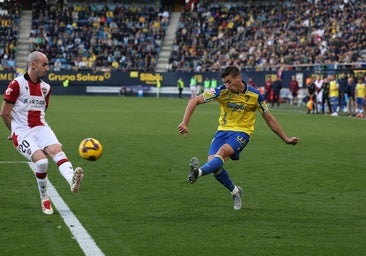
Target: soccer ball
point(90, 149)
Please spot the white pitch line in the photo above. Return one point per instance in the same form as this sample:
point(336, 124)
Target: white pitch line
point(14, 162)
point(85, 241)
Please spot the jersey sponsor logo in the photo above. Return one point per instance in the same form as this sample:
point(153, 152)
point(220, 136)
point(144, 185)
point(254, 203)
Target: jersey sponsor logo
point(233, 106)
point(35, 103)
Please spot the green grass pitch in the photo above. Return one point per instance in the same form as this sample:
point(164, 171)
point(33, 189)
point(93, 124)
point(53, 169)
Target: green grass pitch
point(307, 199)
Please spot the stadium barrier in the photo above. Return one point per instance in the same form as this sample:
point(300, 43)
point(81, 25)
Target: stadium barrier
point(110, 82)
point(136, 90)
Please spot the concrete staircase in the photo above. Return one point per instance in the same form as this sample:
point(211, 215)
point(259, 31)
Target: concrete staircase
point(163, 59)
point(23, 40)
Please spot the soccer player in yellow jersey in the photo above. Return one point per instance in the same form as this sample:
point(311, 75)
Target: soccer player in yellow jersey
point(333, 95)
point(360, 94)
point(238, 103)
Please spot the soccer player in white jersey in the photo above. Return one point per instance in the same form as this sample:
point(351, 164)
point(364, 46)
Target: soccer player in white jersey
point(238, 103)
point(23, 111)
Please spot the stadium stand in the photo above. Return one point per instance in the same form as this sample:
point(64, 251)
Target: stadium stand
point(10, 19)
point(104, 36)
point(265, 34)
point(255, 35)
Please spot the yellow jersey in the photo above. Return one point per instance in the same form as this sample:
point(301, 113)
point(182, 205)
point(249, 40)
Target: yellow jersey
point(237, 110)
point(360, 91)
point(333, 89)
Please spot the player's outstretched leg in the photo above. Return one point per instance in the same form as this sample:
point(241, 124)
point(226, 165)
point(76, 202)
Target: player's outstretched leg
point(236, 194)
point(77, 179)
point(193, 175)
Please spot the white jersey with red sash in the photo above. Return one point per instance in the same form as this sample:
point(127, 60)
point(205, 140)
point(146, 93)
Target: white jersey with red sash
point(30, 102)
point(29, 129)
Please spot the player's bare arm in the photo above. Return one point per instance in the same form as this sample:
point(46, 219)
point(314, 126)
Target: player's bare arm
point(277, 129)
point(193, 102)
point(5, 113)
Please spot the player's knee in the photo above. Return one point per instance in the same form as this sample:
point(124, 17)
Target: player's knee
point(53, 150)
point(41, 168)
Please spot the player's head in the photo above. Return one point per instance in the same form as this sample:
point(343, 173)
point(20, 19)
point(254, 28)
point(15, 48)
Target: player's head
point(232, 79)
point(230, 71)
point(38, 65)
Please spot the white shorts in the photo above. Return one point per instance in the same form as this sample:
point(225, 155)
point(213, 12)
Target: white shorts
point(319, 96)
point(37, 138)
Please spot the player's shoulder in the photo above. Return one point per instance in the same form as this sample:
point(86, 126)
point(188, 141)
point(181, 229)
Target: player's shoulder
point(45, 84)
point(15, 84)
point(209, 94)
point(213, 92)
point(19, 81)
point(253, 89)
point(254, 92)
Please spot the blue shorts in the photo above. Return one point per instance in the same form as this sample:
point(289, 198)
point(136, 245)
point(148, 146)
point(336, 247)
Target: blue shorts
point(237, 140)
point(360, 102)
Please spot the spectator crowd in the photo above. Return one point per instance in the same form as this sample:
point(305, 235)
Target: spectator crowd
point(10, 20)
point(264, 34)
point(128, 35)
point(104, 35)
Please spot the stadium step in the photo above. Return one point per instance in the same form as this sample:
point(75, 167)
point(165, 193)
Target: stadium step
point(167, 44)
point(23, 40)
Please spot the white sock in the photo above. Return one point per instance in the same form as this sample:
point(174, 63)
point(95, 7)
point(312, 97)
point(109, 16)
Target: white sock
point(67, 171)
point(41, 169)
point(199, 172)
point(42, 187)
point(235, 190)
point(64, 166)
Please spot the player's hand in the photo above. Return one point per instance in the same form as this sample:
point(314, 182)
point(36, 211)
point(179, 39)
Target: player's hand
point(10, 137)
point(182, 129)
point(292, 140)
